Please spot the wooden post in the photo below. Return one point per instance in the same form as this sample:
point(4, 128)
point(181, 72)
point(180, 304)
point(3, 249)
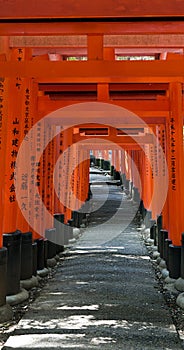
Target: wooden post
point(95, 47)
point(161, 137)
point(28, 115)
point(58, 152)
point(3, 136)
point(117, 160)
point(175, 163)
point(147, 179)
point(15, 94)
point(67, 142)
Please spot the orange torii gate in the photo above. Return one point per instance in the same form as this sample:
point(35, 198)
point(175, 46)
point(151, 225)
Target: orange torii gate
point(162, 71)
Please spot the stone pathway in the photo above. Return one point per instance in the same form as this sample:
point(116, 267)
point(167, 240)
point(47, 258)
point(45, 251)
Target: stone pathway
point(104, 295)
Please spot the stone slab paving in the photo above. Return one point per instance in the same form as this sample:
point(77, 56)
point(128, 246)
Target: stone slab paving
point(103, 295)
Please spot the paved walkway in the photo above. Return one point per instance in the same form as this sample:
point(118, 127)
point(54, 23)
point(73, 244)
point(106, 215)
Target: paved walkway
point(103, 295)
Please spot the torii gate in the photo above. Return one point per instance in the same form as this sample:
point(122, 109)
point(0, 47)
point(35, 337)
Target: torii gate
point(102, 72)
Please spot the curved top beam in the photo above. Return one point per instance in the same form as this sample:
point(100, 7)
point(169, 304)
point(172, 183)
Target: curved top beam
point(16, 9)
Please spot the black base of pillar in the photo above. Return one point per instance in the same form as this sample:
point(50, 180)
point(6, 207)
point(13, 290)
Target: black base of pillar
point(174, 261)
point(123, 179)
point(159, 223)
point(59, 239)
point(106, 165)
point(71, 222)
point(116, 175)
point(127, 182)
point(34, 250)
point(182, 256)
point(40, 254)
point(51, 236)
point(167, 243)
point(142, 209)
point(26, 256)
point(162, 236)
point(59, 248)
point(182, 262)
point(12, 241)
point(98, 162)
point(45, 251)
point(153, 230)
point(77, 218)
point(147, 219)
point(3, 275)
point(69, 231)
point(90, 194)
point(112, 170)
point(136, 195)
point(101, 163)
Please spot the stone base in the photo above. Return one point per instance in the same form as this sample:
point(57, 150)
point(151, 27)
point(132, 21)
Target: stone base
point(43, 273)
point(165, 273)
point(17, 298)
point(180, 300)
point(170, 288)
point(162, 264)
point(152, 249)
point(156, 255)
point(29, 283)
point(6, 313)
point(82, 226)
point(149, 242)
point(61, 255)
point(76, 232)
point(179, 284)
point(159, 260)
point(141, 228)
point(169, 280)
point(51, 262)
point(72, 240)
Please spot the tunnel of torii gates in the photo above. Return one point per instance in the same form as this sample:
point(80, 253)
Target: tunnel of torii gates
point(30, 90)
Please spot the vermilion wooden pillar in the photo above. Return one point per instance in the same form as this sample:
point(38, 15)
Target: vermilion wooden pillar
point(128, 170)
point(123, 161)
point(38, 162)
point(85, 175)
point(14, 126)
point(147, 178)
point(60, 205)
point(95, 47)
point(48, 185)
point(28, 117)
point(108, 53)
point(153, 156)
point(3, 136)
point(81, 175)
point(113, 158)
point(57, 192)
point(175, 163)
point(67, 174)
point(136, 168)
point(75, 176)
point(117, 160)
point(161, 137)
point(4, 83)
point(52, 161)
point(142, 173)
